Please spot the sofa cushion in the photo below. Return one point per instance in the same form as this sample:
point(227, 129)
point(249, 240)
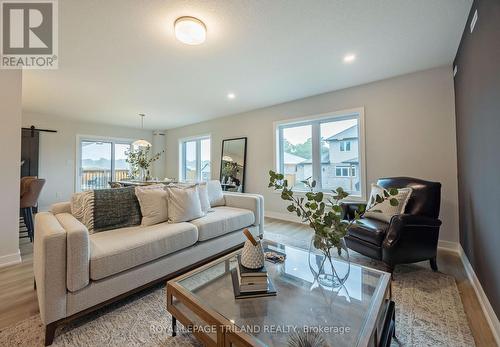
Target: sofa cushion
point(117, 250)
point(369, 230)
point(222, 220)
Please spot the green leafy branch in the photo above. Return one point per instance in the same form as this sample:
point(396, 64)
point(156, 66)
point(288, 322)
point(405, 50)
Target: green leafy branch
point(326, 219)
point(141, 158)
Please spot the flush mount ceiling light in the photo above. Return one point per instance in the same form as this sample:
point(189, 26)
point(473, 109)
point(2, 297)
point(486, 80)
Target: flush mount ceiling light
point(349, 58)
point(141, 142)
point(231, 95)
point(190, 30)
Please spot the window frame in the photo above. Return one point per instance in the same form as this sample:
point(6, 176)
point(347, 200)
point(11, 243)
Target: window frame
point(93, 138)
point(316, 121)
point(182, 155)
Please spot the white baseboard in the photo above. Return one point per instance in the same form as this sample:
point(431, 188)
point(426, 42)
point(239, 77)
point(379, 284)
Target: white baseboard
point(283, 216)
point(491, 317)
point(449, 246)
point(10, 259)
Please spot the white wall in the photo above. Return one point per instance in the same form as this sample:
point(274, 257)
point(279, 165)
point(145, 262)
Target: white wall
point(410, 131)
point(10, 156)
point(57, 157)
point(159, 144)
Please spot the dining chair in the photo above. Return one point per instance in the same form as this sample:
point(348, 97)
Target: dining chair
point(30, 192)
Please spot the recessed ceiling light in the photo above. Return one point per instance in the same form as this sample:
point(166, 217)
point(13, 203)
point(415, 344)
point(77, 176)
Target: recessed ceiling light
point(190, 30)
point(349, 58)
point(231, 96)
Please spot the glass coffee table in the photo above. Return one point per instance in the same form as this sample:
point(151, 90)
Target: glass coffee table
point(359, 313)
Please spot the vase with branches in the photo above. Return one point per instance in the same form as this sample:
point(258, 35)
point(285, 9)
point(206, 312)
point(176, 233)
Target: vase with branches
point(140, 160)
point(324, 214)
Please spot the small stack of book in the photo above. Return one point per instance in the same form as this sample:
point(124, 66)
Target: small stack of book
point(249, 283)
point(252, 280)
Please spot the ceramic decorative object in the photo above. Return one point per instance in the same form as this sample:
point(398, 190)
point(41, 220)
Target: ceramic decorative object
point(252, 255)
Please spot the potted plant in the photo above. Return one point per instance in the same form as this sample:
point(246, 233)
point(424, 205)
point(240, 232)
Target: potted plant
point(324, 214)
point(140, 160)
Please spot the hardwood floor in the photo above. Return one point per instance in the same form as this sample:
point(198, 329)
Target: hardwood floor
point(18, 299)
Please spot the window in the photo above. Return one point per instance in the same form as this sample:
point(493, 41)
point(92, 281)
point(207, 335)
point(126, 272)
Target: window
point(328, 149)
point(345, 146)
point(195, 162)
point(101, 161)
point(345, 172)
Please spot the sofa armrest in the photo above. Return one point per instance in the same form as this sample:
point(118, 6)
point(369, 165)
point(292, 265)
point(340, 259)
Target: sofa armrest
point(252, 202)
point(78, 252)
point(60, 207)
point(49, 265)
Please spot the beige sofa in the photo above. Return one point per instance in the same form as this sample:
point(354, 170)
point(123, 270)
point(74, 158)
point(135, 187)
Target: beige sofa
point(76, 273)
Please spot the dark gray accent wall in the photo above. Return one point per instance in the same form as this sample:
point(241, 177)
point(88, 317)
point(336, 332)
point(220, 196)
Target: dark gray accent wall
point(477, 104)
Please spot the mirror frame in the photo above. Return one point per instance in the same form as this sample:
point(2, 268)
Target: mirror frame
point(244, 160)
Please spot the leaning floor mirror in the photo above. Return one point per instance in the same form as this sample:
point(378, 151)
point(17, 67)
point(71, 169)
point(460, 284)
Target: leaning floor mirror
point(233, 162)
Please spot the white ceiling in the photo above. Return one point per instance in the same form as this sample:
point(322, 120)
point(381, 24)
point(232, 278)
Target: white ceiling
point(119, 58)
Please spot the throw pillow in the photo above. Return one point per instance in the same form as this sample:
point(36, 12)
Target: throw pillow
point(82, 208)
point(116, 208)
point(385, 207)
point(204, 199)
point(153, 202)
point(183, 204)
point(106, 209)
point(215, 194)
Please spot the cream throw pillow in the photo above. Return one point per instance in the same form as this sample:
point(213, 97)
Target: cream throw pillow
point(183, 204)
point(153, 202)
point(385, 207)
point(215, 194)
point(204, 200)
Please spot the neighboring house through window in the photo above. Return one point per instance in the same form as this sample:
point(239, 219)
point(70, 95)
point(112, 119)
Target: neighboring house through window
point(194, 154)
point(327, 148)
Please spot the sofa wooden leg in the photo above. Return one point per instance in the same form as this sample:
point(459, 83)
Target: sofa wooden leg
point(50, 331)
point(433, 263)
point(34, 283)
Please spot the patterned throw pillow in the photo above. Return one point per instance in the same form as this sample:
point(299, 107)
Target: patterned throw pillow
point(82, 208)
point(106, 209)
point(384, 210)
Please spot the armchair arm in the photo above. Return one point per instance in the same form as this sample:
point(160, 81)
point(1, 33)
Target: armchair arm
point(348, 209)
point(78, 252)
point(49, 265)
point(411, 237)
point(252, 202)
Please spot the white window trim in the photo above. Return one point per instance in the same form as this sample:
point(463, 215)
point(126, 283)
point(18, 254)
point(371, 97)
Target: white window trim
point(78, 154)
point(360, 111)
point(198, 154)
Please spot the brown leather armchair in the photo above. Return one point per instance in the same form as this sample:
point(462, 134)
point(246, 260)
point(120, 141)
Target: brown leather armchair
point(410, 237)
point(31, 187)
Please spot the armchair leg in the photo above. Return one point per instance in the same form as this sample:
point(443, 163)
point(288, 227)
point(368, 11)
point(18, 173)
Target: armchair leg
point(433, 263)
